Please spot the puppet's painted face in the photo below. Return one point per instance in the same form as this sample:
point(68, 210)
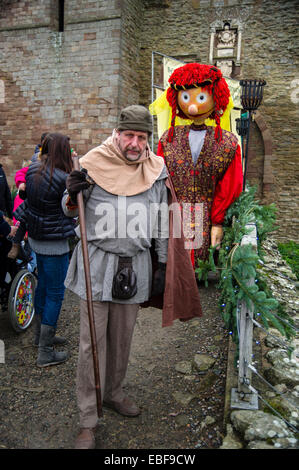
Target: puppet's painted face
point(196, 103)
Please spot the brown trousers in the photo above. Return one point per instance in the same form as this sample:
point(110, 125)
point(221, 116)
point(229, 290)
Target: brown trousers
point(114, 324)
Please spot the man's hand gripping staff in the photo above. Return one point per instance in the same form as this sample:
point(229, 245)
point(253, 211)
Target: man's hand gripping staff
point(76, 182)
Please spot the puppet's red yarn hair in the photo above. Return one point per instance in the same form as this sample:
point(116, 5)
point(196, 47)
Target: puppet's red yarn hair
point(193, 75)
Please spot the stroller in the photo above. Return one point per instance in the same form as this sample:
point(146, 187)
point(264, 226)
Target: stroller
point(17, 295)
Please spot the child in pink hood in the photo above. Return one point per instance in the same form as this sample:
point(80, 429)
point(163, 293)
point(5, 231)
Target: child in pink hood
point(20, 180)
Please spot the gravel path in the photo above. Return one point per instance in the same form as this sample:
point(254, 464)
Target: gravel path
point(181, 409)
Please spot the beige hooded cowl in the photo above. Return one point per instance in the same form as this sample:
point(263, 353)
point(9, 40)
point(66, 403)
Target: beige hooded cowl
point(110, 170)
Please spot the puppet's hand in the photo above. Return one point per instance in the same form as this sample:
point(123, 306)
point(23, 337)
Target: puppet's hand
point(216, 235)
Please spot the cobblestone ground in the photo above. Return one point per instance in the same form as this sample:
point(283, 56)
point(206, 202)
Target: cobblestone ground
point(180, 410)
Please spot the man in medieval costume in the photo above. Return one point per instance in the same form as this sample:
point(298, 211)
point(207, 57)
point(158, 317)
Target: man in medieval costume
point(119, 178)
point(203, 162)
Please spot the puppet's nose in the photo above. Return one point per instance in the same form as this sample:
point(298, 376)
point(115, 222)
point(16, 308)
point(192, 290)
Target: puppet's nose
point(193, 110)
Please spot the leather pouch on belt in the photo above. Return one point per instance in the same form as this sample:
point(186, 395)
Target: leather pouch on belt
point(124, 284)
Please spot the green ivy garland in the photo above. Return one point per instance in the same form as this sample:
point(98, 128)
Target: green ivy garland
point(239, 264)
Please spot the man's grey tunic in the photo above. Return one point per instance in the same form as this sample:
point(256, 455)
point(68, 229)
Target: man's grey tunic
point(120, 226)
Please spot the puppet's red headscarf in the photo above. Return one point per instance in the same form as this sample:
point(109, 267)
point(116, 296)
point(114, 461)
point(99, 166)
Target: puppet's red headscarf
point(196, 75)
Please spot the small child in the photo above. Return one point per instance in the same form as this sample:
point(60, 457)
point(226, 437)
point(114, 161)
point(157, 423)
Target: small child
point(20, 180)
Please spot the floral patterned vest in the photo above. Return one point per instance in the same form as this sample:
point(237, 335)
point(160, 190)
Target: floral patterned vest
point(195, 184)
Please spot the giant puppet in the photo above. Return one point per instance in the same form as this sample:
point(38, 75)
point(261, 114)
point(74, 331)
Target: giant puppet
point(204, 162)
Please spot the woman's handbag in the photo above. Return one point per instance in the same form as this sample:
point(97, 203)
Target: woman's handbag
point(124, 284)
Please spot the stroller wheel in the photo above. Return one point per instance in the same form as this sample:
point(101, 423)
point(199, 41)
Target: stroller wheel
point(21, 300)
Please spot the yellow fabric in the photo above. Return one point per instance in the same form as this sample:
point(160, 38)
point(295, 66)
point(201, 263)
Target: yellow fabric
point(161, 108)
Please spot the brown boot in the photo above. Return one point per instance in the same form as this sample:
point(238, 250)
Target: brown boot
point(126, 407)
point(14, 251)
point(86, 439)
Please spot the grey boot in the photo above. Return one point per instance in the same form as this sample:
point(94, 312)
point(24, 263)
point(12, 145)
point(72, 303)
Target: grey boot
point(58, 340)
point(37, 323)
point(47, 356)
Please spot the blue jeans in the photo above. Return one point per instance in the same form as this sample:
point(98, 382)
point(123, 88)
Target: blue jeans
point(49, 293)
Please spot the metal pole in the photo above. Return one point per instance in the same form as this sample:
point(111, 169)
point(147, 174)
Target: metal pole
point(89, 296)
point(240, 397)
point(246, 151)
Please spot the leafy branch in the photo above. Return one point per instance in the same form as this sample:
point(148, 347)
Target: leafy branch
point(238, 266)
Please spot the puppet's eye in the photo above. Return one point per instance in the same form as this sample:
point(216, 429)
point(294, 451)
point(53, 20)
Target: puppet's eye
point(201, 98)
point(185, 97)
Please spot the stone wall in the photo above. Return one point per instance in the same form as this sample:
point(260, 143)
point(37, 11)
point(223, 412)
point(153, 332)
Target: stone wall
point(58, 81)
point(131, 40)
point(255, 165)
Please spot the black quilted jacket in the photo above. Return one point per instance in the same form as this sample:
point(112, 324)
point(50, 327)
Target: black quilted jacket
point(42, 211)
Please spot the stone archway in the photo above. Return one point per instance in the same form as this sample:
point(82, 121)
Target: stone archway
point(268, 180)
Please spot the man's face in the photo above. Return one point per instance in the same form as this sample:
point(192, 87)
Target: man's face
point(132, 144)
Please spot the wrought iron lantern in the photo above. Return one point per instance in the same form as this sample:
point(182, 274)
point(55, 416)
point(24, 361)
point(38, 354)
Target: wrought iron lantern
point(252, 94)
point(251, 98)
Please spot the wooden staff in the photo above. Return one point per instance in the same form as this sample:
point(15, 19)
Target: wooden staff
point(89, 294)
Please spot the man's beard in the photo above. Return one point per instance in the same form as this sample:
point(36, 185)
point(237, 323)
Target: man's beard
point(137, 154)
